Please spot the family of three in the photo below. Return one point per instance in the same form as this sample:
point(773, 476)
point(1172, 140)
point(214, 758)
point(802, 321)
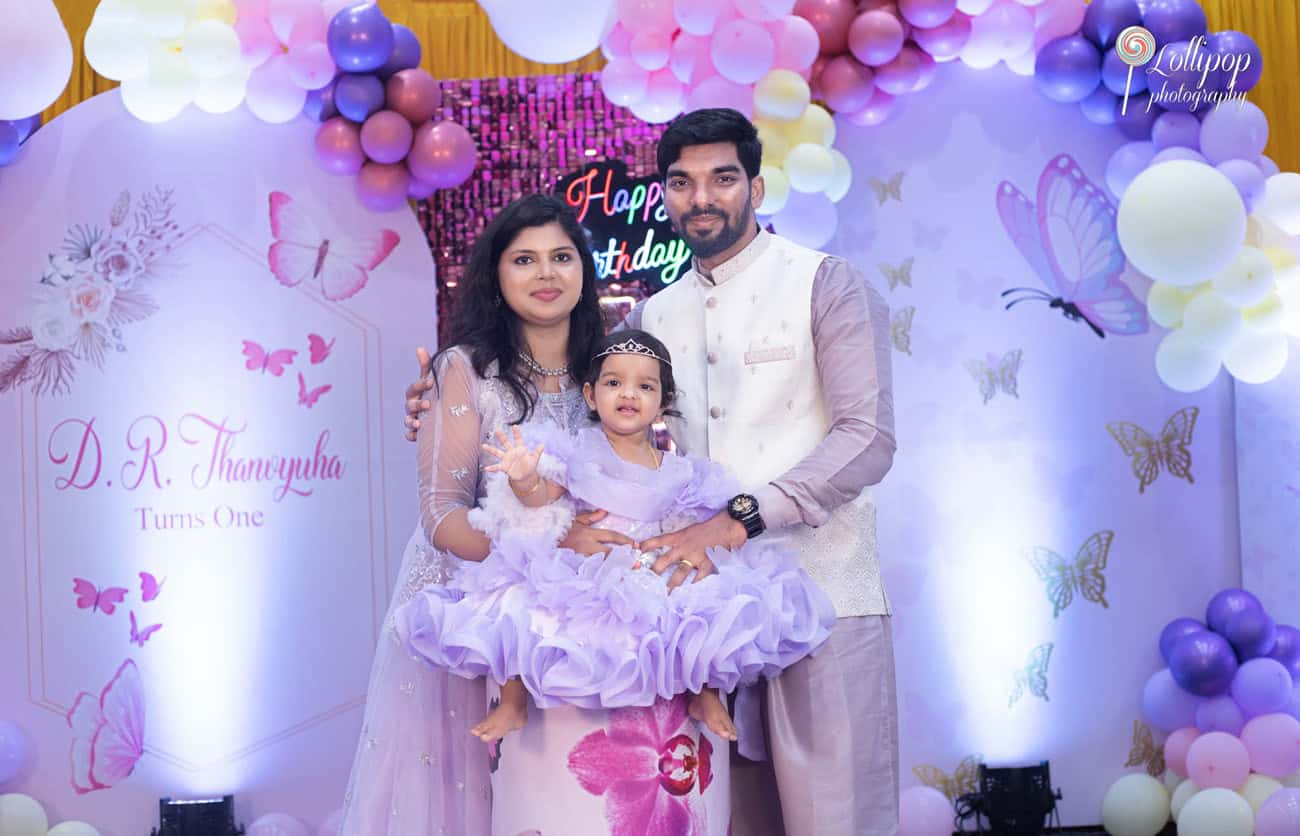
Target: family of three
point(565, 560)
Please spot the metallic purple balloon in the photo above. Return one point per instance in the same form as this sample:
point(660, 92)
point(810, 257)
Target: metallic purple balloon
point(1174, 631)
point(1105, 19)
point(358, 96)
point(1136, 122)
point(406, 52)
point(1225, 604)
point(320, 104)
point(1203, 664)
point(1241, 52)
point(1174, 20)
point(1286, 649)
point(360, 38)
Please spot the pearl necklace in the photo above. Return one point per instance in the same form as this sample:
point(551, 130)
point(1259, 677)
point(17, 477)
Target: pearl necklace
point(537, 368)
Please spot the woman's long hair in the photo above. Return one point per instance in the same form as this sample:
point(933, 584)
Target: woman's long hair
point(485, 325)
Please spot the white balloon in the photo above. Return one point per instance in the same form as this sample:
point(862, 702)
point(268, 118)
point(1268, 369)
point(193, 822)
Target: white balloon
point(1216, 812)
point(841, 177)
point(1135, 805)
point(1182, 793)
point(162, 18)
point(554, 32)
point(35, 58)
point(333, 824)
point(776, 189)
point(221, 95)
point(1184, 364)
point(212, 48)
point(72, 828)
point(1281, 201)
point(1172, 780)
point(1292, 780)
point(1165, 304)
point(809, 167)
point(271, 94)
point(277, 824)
point(164, 92)
point(1257, 789)
point(1256, 356)
point(1211, 321)
point(1180, 221)
point(1269, 315)
point(116, 47)
point(1022, 64)
point(22, 815)
point(1290, 295)
point(1247, 280)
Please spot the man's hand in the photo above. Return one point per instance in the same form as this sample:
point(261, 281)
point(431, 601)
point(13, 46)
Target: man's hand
point(416, 405)
point(688, 548)
point(584, 538)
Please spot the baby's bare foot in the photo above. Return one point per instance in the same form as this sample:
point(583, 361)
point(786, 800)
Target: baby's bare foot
point(707, 708)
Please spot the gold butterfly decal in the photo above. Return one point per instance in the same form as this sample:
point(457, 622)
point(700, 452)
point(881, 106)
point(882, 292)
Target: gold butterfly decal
point(992, 374)
point(1145, 751)
point(964, 779)
point(893, 187)
point(1033, 676)
point(1082, 575)
point(902, 274)
point(1147, 453)
point(900, 329)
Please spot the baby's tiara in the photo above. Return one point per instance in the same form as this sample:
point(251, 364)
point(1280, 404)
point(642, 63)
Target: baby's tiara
point(632, 347)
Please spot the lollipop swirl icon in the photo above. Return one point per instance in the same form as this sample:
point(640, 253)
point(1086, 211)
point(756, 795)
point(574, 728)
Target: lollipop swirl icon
point(1135, 46)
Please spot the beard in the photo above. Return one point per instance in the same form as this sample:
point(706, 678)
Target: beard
point(719, 240)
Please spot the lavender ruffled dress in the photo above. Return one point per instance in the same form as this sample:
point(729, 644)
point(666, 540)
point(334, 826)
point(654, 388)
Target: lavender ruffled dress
point(605, 632)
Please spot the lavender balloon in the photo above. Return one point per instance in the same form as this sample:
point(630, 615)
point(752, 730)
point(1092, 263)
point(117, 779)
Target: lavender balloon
point(1179, 627)
point(1181, 130)
point(1177, 153)
point(1220, 714)
point(1286, 649)
point(1105, 19)
point(358, 96)
point(1068, 69)
point(1238, 132)
point(320, 104)
point(1240, 59)
point(1203, 663)
point(1114, 75)
point(13, 751)
point(1228, 602)
point(1128, 161)
point(1165, 705)
point(1101, 107)
point(1262, 686)
point(1174, 20)
point(360, 38)
point(1251, 632)
point(1137, 121)
point(406, 52)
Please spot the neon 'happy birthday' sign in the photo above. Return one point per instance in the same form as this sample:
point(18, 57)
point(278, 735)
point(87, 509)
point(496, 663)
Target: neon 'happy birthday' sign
point(632, 239)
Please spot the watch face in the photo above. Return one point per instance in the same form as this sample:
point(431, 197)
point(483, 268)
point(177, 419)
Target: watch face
point(742, 505)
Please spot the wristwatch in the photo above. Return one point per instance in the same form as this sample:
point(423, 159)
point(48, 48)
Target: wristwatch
point(743, 508)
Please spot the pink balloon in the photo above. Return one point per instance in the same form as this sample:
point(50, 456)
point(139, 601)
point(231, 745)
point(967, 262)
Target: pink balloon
point(796, 41)
point(382, 188)
point(272, 95)
point(664, 97)
point(690, 60)
point(413, 93)
point(764, 10)
point(650, 49)
point(742, 51)
point(876, 111)
point(924, 811)
point(623, 82)
point(1007, 29)
point(876, 37)
point(256, 40)
point(902, 75)
point(718, 92)
point(338, 146)
point(641, 15)
point(928, 13)
point(925, 70)
point(1056, 19)
point(945, 42)
point(386, 136)
point(1218, 759)
point(617, 44)
point(1273, 742)
point(419, 190)
point(831, 19)
point(442, 155)
point(699, 17)
point(1280, 814)
point(814, 76)
point(846, 85)
point(310, 65)
point(309, 26)
point(1176, 749)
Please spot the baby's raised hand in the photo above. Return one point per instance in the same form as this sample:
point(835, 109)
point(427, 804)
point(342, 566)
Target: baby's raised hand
point(515, 459)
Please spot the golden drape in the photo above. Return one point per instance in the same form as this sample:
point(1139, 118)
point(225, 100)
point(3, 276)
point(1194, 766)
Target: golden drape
point(459, 43)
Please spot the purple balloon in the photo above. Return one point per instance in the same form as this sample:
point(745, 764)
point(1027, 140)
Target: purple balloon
point(1165, 705)
point(360, 38)
point(1136, 122)
point(338, 146)
point(13, 751)
point(320, 104)
point(1240, 61)
point(1228, 602)
point(1068, 69)
point(1249, 181)
point(1114, 74)
point(1286, 649)
point(1203, 664)
point(1101, 107)
point(8, 142)
point(1293, 705)
point(358, 96)
point(27, 127)
point(1181, 130)
point(1105, 19)
point(406, 52)
point(1262, 686)
point(1220, 714)
point(1177, 153)
point(1174, 20)
point(1179, 627)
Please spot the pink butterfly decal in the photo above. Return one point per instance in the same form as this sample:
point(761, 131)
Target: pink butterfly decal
point(149, 586)
point(309, 398)
point(319, 348)
point(138, 636)
point(91, 597)
point(272, 362)
point(302, 250)
point(108, 732)
point(1069, 241)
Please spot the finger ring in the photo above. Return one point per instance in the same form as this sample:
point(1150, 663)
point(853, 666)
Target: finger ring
point(689, 565)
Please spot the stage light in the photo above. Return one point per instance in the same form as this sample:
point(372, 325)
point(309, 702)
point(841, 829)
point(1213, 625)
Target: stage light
point(197, 817)
point(1017, 801)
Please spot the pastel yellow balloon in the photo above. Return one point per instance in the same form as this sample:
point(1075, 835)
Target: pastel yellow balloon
point(775, 144)
point(1280, 257)
point(1211, 321)
point(1165, 304)
point(1135, 805)
point(815, 126)
point(1247, 280)
point(781, 94)
point(1269, 315)
point(809, 167)
point(776, 189)
point(841, 177)
point(219, 10)
point(1257, 789)
point(1184, 791)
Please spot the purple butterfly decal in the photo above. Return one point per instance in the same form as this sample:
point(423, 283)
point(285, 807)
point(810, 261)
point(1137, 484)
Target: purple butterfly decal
point(1069, 240)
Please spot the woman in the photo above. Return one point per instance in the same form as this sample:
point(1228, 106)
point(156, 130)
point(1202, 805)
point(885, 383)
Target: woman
point(522, 338)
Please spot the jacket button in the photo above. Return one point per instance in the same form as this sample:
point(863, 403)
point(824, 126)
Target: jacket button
point(711, 302)
point(713, 358)
point(716, 412)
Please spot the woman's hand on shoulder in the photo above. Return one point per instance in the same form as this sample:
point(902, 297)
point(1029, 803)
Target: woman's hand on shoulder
point(416, 405)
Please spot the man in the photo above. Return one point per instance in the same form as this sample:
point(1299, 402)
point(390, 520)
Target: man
point(782, 357)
